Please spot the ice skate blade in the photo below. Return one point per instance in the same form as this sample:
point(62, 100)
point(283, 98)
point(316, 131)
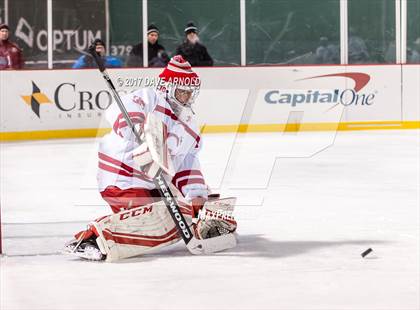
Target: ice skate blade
point(90, 253)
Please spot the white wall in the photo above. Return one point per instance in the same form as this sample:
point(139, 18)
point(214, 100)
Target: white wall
point(76, 99)
point(411, 92)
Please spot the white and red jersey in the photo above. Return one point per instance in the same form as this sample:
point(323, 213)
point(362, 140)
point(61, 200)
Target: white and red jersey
point(116, 164)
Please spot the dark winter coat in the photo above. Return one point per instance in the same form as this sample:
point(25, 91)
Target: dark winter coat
point(196, 54)
point(156, 56)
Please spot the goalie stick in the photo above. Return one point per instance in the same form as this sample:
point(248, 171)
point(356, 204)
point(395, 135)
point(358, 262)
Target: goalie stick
point(194, 245)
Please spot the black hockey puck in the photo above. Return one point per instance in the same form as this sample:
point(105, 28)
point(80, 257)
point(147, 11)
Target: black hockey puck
point(366, 252)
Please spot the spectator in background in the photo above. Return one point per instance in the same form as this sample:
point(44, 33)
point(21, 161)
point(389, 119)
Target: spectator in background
point(192, 50)
point(414, 52)
point(10, 53)
point(358, 52)
point(87, 61)
point(157, 56)
point(327, 53)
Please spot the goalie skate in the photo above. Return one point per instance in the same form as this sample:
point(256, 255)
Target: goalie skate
point(87, 249)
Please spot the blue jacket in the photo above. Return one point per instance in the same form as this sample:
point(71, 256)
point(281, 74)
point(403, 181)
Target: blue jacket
point(86, 61)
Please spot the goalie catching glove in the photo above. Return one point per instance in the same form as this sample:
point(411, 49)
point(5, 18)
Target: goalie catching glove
point(215, 218)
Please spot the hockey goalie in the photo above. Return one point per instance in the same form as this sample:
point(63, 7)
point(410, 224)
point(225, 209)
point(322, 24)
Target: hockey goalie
point(171, 141)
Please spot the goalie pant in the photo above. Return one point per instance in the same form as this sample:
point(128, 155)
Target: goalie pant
point(125, 199)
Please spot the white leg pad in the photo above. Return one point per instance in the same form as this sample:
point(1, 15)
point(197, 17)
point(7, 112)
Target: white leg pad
point(137, 231)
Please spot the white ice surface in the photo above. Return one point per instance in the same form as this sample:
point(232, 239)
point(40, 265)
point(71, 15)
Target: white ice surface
point(303, 220)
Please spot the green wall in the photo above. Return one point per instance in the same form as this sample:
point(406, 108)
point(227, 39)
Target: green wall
point(290, 31)
point(217, 21)
point(413, 31)
point(125, 24)
point(371, 31)
point(277, 31)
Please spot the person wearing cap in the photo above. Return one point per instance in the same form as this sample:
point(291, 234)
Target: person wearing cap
point(87, 61)
point(326, 53)
point(10, 54)
point(157, 56)
point(192, 50)
point(414, 52)
point(125, 180)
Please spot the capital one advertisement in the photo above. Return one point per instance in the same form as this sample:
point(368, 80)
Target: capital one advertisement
point(332, 95)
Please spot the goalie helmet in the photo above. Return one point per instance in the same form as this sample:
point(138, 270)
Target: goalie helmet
point(181, 84)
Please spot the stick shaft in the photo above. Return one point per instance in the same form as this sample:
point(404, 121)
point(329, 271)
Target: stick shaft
point(121, 105)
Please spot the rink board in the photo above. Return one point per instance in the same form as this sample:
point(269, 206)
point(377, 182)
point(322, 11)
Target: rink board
point(72, 103)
